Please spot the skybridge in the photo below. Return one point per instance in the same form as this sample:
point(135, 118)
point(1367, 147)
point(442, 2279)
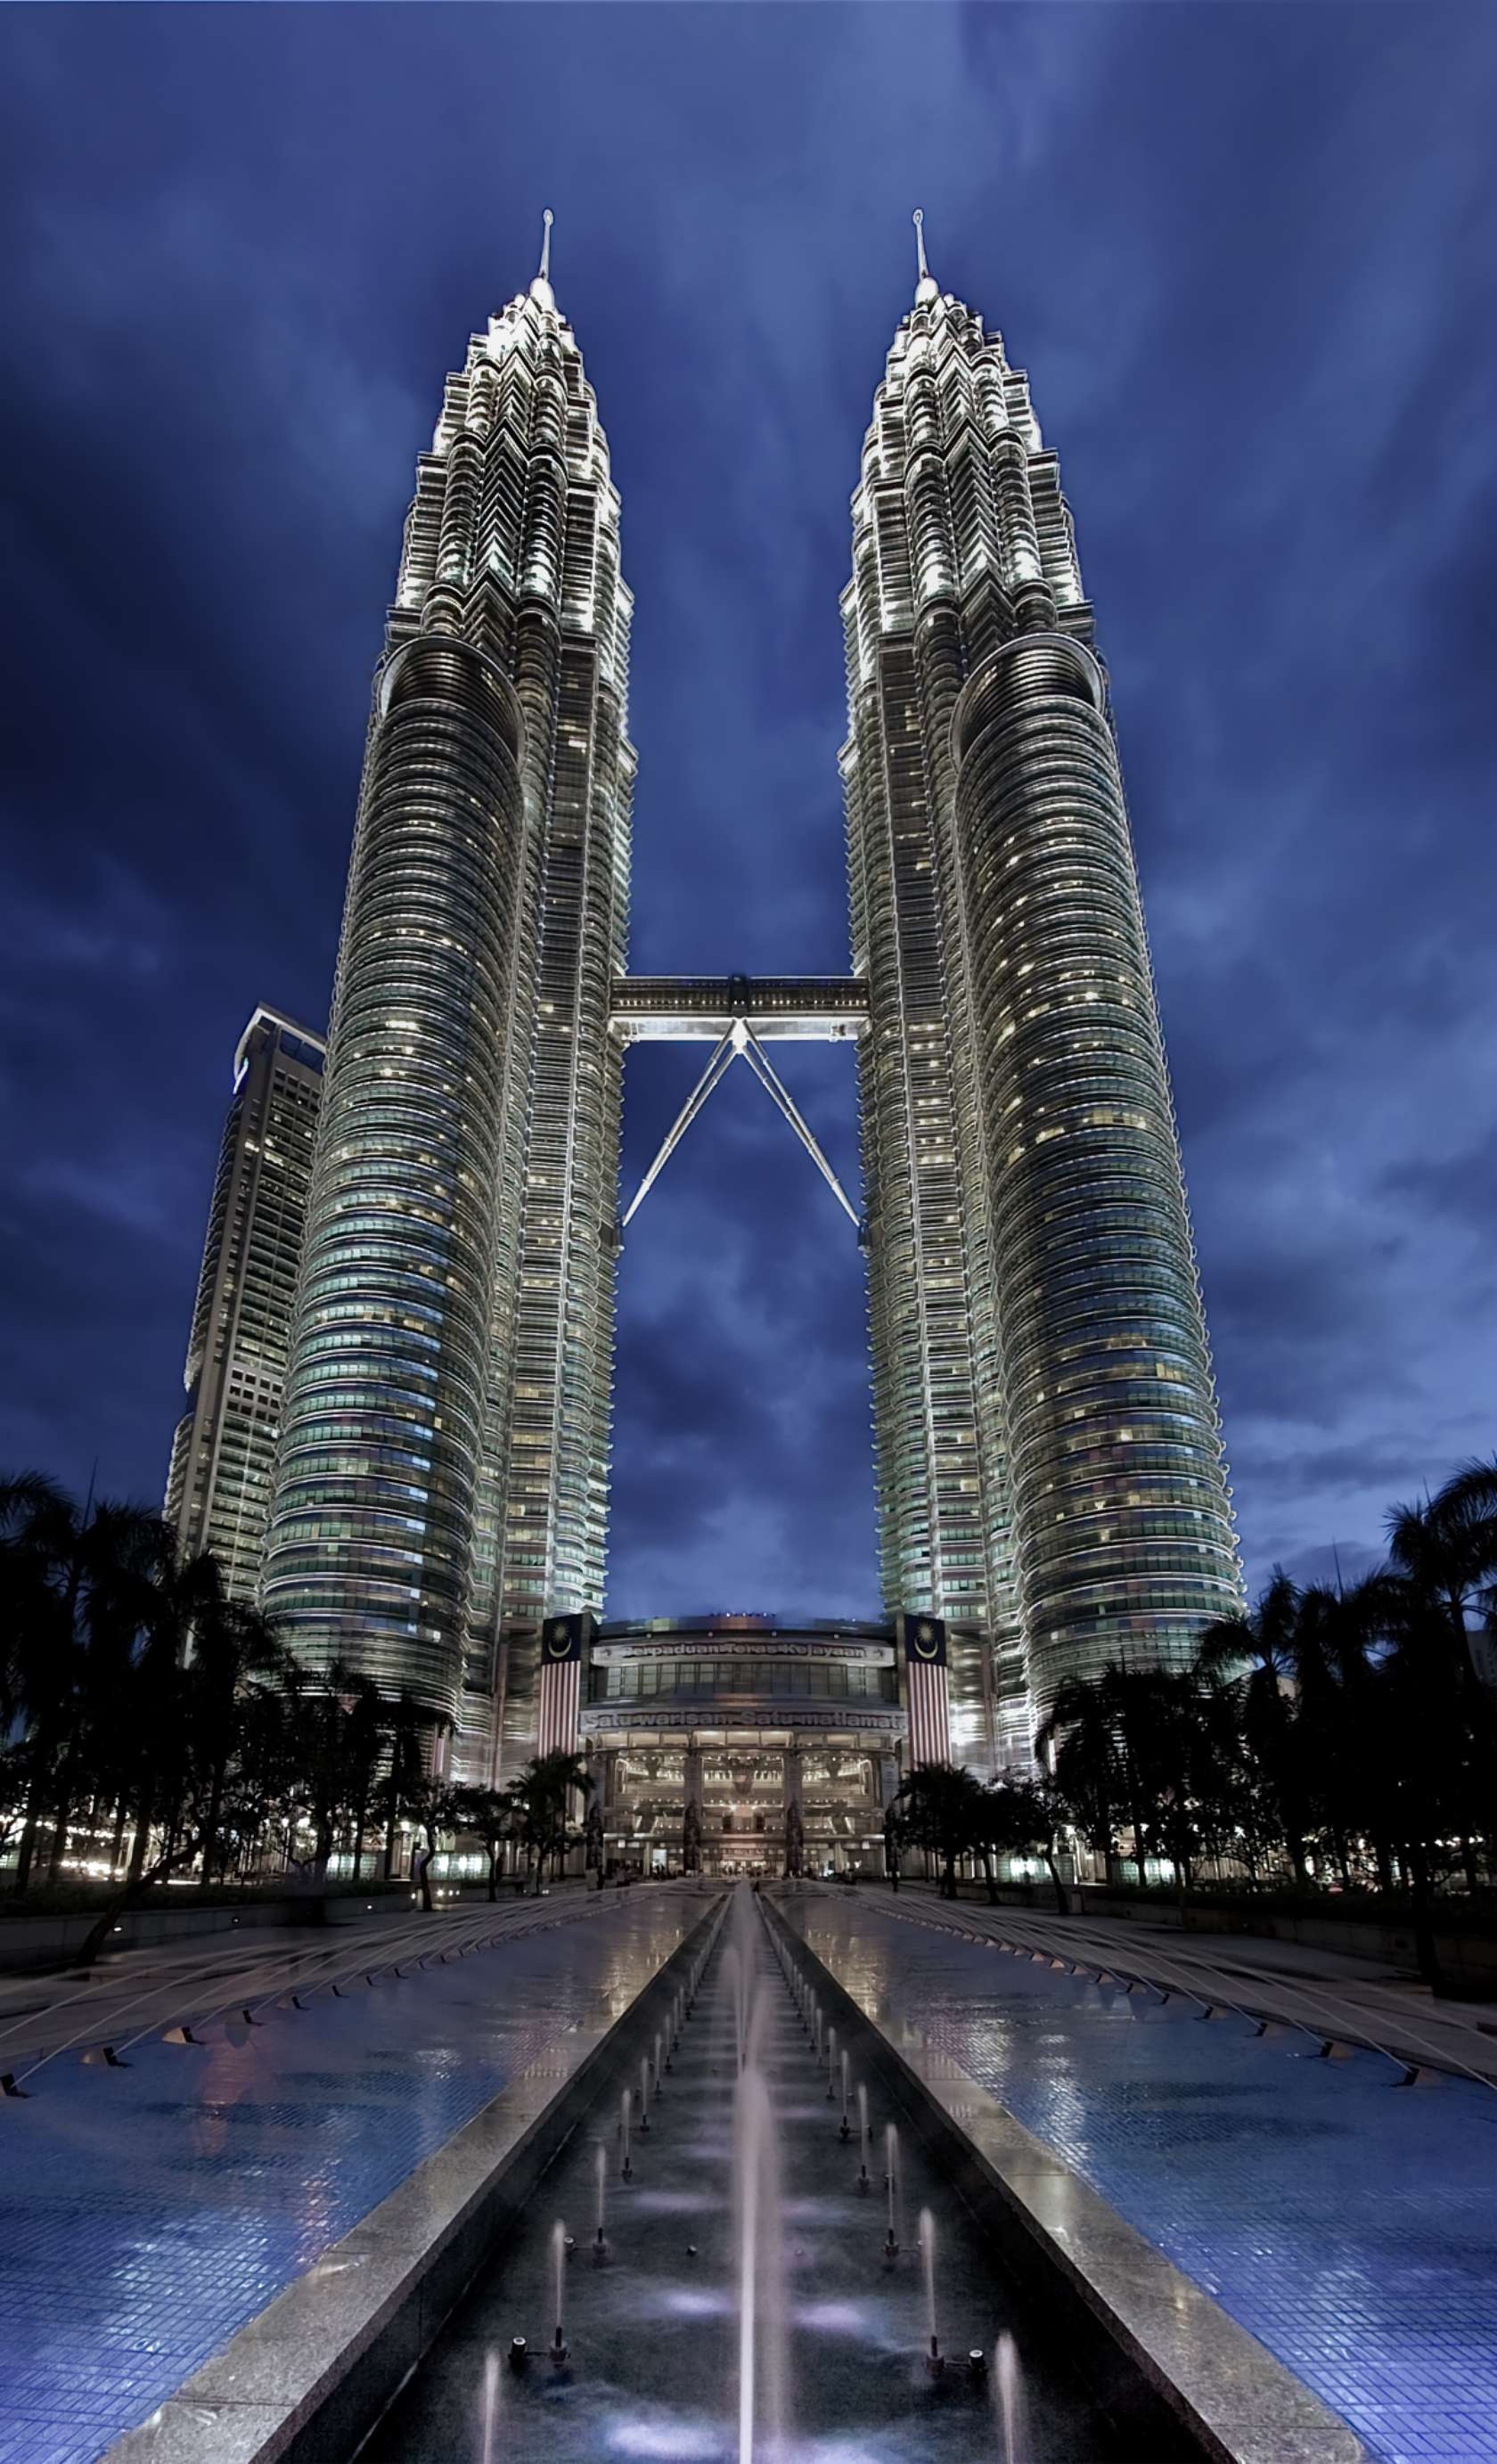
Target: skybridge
point(702, 1009)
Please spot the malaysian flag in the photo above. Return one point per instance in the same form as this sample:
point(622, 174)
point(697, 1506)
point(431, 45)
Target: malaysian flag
point(926, 1696)
point(561, 1692)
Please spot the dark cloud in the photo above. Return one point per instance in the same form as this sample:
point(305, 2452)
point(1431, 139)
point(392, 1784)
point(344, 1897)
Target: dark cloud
point(1244, 256)
point(1335, 1566)
point(1461, 1186)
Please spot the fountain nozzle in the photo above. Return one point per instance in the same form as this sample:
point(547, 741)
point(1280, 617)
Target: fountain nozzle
point(890, 2244)
point(846, 2132)
point(933, 2359)
point(601, 2252)
point(864, 2183)
point(520, 2352)
point(625, 2171)
point(976, 2362)
point(559, 2350)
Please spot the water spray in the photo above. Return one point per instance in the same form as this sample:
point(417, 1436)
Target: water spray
point(891, 2186)
point(1008, 2399)
point(831, 2066)
point(865, 2178)
point(644, 2096)
point(846, 2132)
point(600, 2247)
point(491, 2404)
point(932, 2359)
point(560, 2241)
point(625, 2170)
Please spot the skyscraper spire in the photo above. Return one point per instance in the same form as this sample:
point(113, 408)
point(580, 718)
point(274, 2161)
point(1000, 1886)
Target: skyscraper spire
point(925, 288)
point(541, 288)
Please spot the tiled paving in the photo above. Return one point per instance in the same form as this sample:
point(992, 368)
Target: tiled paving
point(147, 2213)
point(1350, 2224)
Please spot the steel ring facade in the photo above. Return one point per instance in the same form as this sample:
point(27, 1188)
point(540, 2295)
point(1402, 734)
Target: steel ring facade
point(1115, 1457)
point(385, 1408)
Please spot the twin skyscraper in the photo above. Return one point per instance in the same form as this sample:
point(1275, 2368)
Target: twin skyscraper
point(1048, 1462)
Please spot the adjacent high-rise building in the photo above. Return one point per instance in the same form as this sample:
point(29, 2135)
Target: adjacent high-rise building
point(1051, 1482)
point(1048, 1454)
point(443, 1459)
point(218, 1489)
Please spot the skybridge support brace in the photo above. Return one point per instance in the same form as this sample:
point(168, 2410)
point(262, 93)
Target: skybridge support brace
point(741, 1040)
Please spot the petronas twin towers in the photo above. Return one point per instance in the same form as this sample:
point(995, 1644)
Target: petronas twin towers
point(1049, 1471)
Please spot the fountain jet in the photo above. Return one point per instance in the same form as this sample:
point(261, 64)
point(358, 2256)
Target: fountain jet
point(491, 2405)
point(1008, 2401)
point(757, 2238)
point(600, 2248)
point(558, 2242)
point(927, 2234)
point(891, 2186)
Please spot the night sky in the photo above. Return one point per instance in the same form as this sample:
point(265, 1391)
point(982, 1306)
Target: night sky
point(1246, 255)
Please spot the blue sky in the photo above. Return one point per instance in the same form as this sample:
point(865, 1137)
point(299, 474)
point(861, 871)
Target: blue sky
point(1246, 255)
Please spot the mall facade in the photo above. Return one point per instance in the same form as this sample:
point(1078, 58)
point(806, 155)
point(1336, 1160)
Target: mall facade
point(744, 1745)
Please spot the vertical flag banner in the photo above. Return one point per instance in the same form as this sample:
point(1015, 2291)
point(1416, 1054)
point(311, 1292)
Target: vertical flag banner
point(923, 1642)
point(558, 1712)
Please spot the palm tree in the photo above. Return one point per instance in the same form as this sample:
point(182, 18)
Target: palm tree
point(543, 1792)
point(233, 1652)
point(1448, 1547)
point(16, 1781)
point(37, 1525)
point(945, 1812)
point(407, 1727)
point(1147, 1745)
point(895, 1835)
point(1260, 1655)
point(1186, 1745)
point(345, 1730)
point(436, 1808)
point(1024, 1814)
point(489, 1815)
point(1082, 1743)
point(1442, 1576)
point(77, 1589)
point(164, 1720)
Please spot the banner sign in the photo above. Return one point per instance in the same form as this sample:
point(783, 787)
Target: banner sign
point(922, 1642)
point(563, 1643)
